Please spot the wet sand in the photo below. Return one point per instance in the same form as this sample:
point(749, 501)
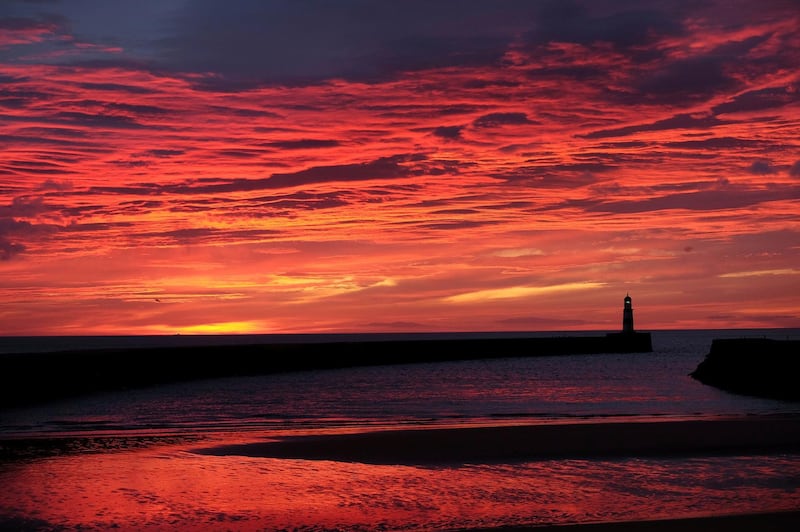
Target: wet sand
point(431, 446)
point(367, 471)
point(450, 446)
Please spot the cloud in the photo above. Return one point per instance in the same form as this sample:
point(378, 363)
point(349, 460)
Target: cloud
point(389, 109)
point(16, 30)
point(302, 144)
point(94, 227)
point(207, 235)
point(455, 225)
point(759, 100)
point(448, 132)
point(116, 87)
point(391, 167)
point(383, 168)
point(23, 207)
point(240, 153)
point(762, 167)
point(501, 119)
point(761, 273)
point(518, 252)
point(93, 120)
point(685, 81)
point(137, 109)
point(571, 21)
point(582, 73)
point(569, 175)
point(682, 80)
point(717, 143)
point(59, 186)
point(19, 98)
point(732, 197)
point(456, 212)
point(794, 171)
point(681, 121)
point(165, 153)
point(9, 249)
point(297, 201)
point(348, 39)
point(515, 292)
point(34, 167)
point(9, 227)
point(372, 41)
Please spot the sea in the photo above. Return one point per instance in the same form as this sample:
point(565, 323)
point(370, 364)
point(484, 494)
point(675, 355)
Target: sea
point(126, 458)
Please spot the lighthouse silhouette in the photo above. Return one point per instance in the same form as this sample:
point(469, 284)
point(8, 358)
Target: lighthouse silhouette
point(629, 340)
point(627, 315)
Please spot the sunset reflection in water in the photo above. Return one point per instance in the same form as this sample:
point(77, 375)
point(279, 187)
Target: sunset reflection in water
point(171, 486)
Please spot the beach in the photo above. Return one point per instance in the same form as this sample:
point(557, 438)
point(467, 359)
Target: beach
point(614, 441)
point(442, 478)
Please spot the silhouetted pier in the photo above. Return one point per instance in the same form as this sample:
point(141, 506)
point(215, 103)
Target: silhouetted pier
point(39, 377)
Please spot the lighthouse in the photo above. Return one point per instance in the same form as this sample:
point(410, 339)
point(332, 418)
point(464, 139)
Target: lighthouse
point(627, 315)
point(628, 340)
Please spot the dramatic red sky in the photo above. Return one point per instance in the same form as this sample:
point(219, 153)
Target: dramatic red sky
point(198, 166)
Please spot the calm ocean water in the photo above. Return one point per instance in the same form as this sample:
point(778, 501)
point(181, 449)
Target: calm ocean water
point(164, 484)
point(537, 389)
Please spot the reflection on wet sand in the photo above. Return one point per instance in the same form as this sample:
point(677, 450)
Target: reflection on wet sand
point(171, 485)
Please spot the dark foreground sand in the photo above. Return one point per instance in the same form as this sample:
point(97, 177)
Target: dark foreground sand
point(432, 446)
point(767, 522)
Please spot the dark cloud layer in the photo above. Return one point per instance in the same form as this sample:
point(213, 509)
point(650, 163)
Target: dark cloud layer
point(8, 249)
point(393, 167)
point(501, 119)
point(319, 40)
point(759, 100)
point(302, 144)
point(627, 25)
point(448, 132)
point(732, 197)
point(369, 41)
point(681, 121)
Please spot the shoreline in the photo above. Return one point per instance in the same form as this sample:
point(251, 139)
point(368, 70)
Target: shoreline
point(448, 445)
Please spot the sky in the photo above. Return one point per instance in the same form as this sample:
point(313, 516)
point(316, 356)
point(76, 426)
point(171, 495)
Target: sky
point(284, 166)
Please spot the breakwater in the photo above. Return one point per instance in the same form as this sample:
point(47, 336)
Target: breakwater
point(761, 367)
point(39, 377)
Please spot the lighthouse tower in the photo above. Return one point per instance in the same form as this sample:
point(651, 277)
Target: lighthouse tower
point(627, 315)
